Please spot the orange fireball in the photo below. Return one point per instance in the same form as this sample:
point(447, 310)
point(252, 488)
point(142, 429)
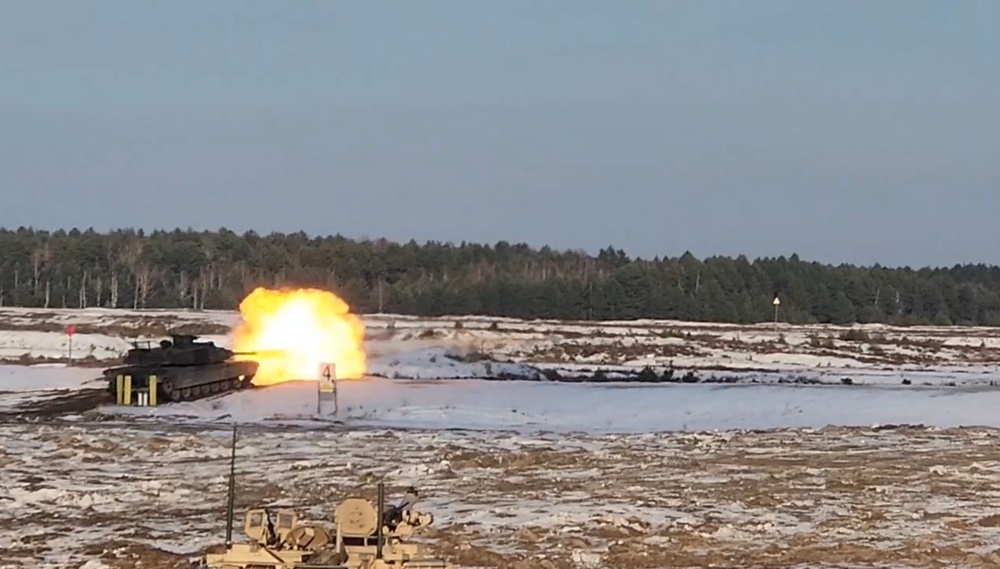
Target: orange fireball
point(295, 331)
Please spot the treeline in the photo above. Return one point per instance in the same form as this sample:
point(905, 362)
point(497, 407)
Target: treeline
point(206, 270)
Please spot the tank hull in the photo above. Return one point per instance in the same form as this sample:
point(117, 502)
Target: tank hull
point(180, 383)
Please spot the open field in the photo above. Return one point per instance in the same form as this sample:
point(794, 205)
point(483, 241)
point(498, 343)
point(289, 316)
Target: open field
point(520, 474)
point(820, 498)
point(525, 474)
point(34, 335)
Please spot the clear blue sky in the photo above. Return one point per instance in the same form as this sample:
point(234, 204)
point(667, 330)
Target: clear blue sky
point(844, 130)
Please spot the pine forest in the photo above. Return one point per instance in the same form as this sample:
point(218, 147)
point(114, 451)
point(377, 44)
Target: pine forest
point(215, 270)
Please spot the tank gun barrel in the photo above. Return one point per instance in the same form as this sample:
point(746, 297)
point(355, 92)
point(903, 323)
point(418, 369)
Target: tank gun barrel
point(260, 353)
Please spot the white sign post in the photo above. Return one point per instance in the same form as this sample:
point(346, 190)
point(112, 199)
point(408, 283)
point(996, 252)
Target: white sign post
point(327, 387)
point(70, 330)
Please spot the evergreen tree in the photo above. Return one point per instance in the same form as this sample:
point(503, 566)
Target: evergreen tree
point(216, 269)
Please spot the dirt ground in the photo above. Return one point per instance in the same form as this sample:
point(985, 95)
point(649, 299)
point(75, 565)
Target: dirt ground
point(152, 496)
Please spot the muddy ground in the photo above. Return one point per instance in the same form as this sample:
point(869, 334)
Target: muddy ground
point(154, 496)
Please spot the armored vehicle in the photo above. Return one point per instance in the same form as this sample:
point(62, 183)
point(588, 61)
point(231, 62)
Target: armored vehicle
point(179, 369)
point(366, 536)
point(358, 541)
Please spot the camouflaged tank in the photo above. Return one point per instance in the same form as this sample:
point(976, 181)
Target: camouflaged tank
point(179, 369)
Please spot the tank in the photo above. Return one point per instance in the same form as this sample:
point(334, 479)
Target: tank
point(179, 369)
point(364, 535)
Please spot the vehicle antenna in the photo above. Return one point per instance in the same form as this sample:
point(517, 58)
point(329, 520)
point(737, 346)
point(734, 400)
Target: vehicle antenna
point(231, 493)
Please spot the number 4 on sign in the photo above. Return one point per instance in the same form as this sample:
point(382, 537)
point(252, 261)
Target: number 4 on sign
point(327, 377)
point(327, 388)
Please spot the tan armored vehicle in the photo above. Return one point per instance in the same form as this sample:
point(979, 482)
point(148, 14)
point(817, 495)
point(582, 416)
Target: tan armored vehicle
point(366, 536)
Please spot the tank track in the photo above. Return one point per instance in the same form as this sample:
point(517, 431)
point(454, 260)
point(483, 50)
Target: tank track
point(176, 395)
point(175, 384)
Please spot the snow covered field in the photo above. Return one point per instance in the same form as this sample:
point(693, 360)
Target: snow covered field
point(103, 334)
point(766, 468)
point(532, 406)
point(112, 496)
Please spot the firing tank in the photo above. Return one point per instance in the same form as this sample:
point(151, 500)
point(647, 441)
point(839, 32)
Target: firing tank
point(366, 535)
point(179, 369)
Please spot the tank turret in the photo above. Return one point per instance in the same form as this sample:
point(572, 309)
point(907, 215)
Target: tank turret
point(180, 350)
point(178, 369)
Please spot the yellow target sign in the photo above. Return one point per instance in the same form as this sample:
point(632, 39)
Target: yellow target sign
point(327, 377)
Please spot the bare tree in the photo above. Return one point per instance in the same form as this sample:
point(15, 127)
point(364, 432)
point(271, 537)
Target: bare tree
point(114, 289)
point(145, 285)
point(40, 258)
point(82, 292)
point(99, 290)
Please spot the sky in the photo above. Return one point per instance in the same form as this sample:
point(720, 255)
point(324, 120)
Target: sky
point(843, 131)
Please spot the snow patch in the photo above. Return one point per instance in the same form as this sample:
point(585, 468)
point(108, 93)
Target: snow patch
point(442, 363)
